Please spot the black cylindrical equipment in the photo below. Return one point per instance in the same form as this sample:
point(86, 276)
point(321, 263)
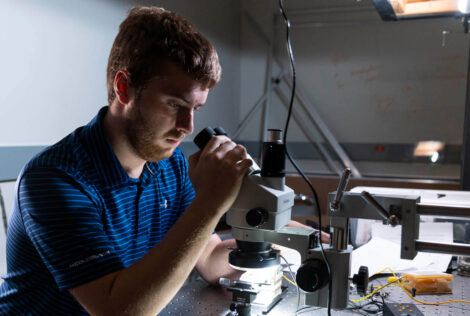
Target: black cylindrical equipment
point(253, 255)
point(273, 158)
point(312, 275)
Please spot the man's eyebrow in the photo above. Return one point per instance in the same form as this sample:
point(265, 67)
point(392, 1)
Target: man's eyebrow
point(176, 96)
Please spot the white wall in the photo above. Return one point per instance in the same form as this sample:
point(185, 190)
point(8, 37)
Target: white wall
point(371, 81)
point(53, 57)
point(54, 60)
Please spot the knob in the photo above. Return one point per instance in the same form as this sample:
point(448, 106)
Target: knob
point(220, 131)
point(256, 217)
point(361, 279)
point(312, 275)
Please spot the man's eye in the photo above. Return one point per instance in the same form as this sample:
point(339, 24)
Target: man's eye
point(174, 105)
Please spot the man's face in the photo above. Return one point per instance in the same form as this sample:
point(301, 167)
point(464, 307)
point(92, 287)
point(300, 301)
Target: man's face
point(159, 119)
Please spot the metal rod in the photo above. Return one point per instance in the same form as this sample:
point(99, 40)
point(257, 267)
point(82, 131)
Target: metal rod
point(315, 117)
point(443, 210)
point(465, 164)
point(435, 247)
point(345, 160)
point(252, 111)
point(268, 89)
point(339, 240)
point(339, 9)
point(370, 199)
point(298, 117)
point(343, 182)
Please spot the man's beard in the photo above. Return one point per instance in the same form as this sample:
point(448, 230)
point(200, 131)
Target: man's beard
point(141, 135)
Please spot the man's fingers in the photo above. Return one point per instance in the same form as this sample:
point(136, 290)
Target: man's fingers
point(192, 163)
point(194, 158)
point(237, 153)
point(325, 238)
point(224, 148)
point(215, 143)
point(244, 165)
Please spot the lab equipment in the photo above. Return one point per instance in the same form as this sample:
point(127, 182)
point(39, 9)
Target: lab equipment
point(262, 210)
point(426, 282)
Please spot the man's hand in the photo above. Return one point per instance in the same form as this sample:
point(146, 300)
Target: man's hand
point(217, 171)
point(325, 238)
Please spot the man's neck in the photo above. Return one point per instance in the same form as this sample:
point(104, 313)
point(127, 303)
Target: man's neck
point(113, 126)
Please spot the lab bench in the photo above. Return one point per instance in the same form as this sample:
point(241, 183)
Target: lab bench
point(196, 297)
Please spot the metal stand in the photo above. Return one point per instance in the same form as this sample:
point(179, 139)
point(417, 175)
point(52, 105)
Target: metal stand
point(465, 173)
point(308, 112)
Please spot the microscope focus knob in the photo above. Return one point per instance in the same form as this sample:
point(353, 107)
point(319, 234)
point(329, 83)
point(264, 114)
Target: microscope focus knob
point(312, 275)
point(361, 280)
point(256, 217)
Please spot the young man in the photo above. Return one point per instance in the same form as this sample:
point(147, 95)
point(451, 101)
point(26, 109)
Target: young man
point(109, 221)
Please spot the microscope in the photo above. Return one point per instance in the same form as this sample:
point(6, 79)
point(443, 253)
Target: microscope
point(258, 218)
point(262, 210)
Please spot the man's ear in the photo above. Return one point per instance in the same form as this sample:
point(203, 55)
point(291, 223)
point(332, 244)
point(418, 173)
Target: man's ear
point(121, 86)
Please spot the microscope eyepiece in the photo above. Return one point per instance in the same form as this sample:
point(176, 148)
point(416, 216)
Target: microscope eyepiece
point(273, 161)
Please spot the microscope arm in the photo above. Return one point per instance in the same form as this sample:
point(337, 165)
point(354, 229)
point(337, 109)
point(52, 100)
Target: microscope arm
point(299, 239)
point(404, 210)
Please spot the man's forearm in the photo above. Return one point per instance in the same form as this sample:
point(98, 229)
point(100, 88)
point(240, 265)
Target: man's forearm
point(149, 284)
point(215, 264)
point(325, 238)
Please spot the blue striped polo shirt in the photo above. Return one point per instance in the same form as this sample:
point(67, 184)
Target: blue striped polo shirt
point(78, 216)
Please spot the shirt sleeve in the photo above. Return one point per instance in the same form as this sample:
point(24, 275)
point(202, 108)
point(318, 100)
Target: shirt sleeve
point(62, 219)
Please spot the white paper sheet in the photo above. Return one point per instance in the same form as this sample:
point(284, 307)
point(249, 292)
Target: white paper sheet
point(383, 250)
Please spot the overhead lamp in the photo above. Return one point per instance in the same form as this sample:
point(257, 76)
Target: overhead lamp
point(393, 10)
point(428, 148)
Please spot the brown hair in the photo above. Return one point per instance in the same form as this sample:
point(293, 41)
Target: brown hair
point(151, 34)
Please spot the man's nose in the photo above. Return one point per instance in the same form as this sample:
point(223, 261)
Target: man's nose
point(184, 122)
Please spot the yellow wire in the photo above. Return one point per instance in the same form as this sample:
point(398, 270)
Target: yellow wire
point(421, 302)
point(381, 270)
point(289, 280)
point(398, 280)
point(378, 289)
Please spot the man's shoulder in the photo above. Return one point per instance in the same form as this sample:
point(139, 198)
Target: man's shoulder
point(67, 155)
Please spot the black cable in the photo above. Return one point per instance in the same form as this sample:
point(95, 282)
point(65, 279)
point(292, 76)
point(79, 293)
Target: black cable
point(292, 63)
point(378, 307)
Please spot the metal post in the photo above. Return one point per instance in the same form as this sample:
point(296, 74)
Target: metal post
point(465, 168)
point(268, 90)
point(325, 131)
point(299, 119)
point(443, 210)
point(436, 247)
point(253, 110)
point(320, 125)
